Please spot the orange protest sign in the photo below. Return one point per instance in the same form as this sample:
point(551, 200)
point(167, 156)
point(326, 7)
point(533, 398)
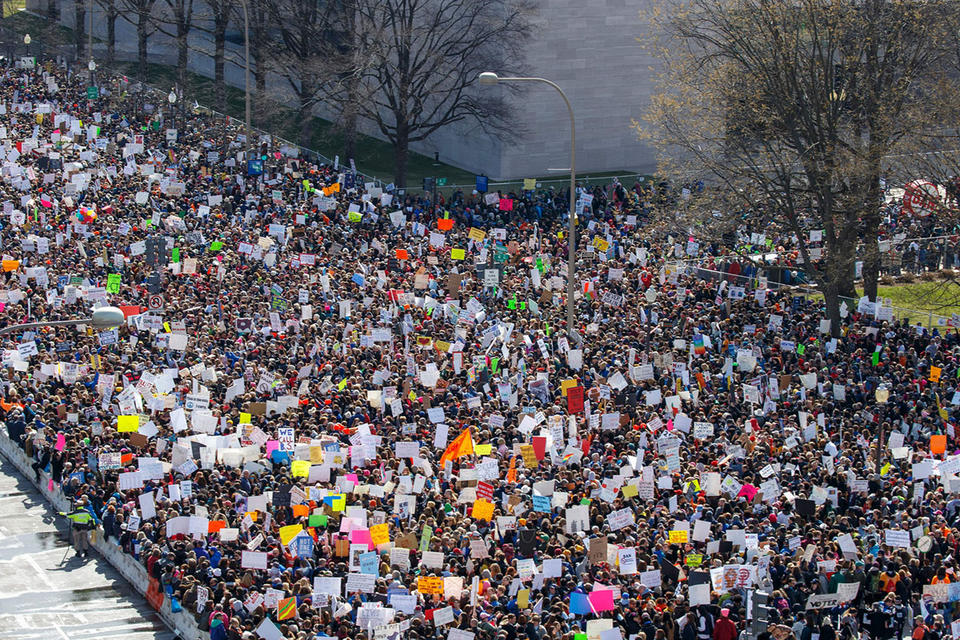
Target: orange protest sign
point(935, 374)
point(300, 510)
point(445, 224)
point(938, 444)
point(11, 265)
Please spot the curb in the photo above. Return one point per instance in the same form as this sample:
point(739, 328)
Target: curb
point(181, 623)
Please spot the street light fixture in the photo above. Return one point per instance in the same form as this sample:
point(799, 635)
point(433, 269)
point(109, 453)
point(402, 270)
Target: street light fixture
point(102, 318)
point(246, 77)
point(172, 99)
point(488, 78)
point(27, 40)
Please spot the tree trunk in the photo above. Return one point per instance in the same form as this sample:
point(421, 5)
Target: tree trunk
point(871, 225)
point(183, 52)
point(401, 150)
point(112, 15)
point(80, 28)
point(305, 118)
point(831, 297)
point(219, 40)
point(53, 11)
point(259, 55)
point(142, 47)
point(350, 124)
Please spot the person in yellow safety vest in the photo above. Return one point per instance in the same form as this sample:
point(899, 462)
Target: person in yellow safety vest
point(81, 522)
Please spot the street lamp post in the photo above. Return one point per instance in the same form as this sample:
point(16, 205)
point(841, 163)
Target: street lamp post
point(102, 318)
point(246, 76)
point(172, 99)
point(26, 41)
point(91, 66)
point(90, 38)
point(489, 78)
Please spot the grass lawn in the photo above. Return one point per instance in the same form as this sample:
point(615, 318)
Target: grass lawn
point(12, 6)
point(39, 28)
point(918, 300)
point(941, 298)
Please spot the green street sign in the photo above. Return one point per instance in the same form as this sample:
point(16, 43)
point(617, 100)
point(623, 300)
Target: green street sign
point(441, 182)
point(93, 93)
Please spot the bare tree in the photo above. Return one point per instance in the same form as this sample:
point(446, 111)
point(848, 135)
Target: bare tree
point(176, 21)
point(299, 55)
point(110, 15)
point(140, 13)
point(222, 11)
point(80, 28)
point(793, 106)
point(260, 25)
point(422, 62)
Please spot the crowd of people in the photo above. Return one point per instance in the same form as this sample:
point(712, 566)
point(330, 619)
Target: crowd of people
point(336, 410)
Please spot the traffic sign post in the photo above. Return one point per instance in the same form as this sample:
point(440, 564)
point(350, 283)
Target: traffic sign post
point(155, 303)
point(93, 93)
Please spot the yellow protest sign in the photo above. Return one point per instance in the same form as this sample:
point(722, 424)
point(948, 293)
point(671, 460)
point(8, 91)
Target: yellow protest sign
point(523, 598)
point(567, 384)
point(430, 584)
point(128, 423)
point(482, 449)
point(316, 455)
point(338, 502)
point(244, 418)
point(679, 537)
point(380, 534)
point(476, 234)
point(529, 184)
point(529, 456)
point(289, 532)
point(483, 509)
point(300, 468)
point(600, 243)
point(457, 254)
point(693, 559)
point(629, 490)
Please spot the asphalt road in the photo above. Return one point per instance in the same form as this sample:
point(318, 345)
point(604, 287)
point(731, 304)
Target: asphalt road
point(46, 592)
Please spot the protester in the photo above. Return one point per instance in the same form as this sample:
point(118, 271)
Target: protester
point(338, 410)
